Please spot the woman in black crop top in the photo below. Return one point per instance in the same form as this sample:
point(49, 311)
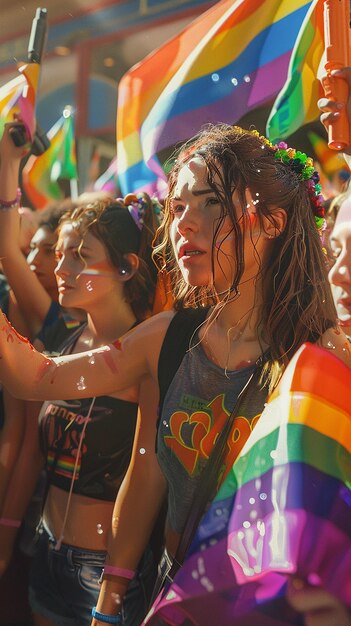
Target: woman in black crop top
point(240, 242)
point(104, 268)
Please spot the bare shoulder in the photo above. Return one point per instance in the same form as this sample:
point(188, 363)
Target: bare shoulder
point(147, 338)
point(334, 339)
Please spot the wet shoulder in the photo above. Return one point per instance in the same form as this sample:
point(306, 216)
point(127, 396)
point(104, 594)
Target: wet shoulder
point(335, 340)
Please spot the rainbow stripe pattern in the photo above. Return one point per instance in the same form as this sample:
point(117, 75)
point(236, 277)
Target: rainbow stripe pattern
point(18, 96)
point(232, 59)
point(41, 174)
point(296, 104)
point(284, 509)
point(64, 466)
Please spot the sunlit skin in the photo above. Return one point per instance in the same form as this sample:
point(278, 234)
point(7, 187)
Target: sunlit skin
point(196, 212)
point(340, 273)
point(41, 259)
point(85, 276)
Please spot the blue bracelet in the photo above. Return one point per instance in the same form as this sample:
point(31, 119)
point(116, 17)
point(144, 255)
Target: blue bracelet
point(107, 619)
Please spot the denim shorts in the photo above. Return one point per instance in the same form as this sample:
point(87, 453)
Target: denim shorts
point(64, 584)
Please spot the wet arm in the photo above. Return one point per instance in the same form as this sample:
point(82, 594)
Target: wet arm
point(137, 506)
point(30, 294)
point(29, 374)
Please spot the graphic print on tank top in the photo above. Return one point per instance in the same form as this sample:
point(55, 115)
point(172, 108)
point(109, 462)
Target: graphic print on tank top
point(105, 449)
point(194, 431)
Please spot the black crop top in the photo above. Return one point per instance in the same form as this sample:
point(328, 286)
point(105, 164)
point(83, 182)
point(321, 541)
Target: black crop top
point(106, 446)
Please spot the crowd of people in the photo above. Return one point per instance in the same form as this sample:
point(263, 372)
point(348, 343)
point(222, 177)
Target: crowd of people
point(125, 425)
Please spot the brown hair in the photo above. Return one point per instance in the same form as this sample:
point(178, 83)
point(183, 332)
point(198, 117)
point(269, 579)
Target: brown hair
point(297, 301)
point(111, 223)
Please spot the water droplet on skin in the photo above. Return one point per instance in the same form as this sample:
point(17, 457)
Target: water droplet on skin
point(81, 384)
point(89, 286)
point(116, 597)
point(92, 360)
point(99, 529)
point(330, 345)
point(142, 450)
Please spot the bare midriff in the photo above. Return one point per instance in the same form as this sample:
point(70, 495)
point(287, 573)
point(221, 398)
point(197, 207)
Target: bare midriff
point(88, 522)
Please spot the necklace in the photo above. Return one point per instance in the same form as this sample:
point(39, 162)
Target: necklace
point(230, 340)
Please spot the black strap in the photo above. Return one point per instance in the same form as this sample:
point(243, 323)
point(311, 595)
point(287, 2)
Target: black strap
point(175, 344)
point(208, 484)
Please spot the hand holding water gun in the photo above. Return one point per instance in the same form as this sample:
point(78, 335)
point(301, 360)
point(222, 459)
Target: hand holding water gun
point(337, 80)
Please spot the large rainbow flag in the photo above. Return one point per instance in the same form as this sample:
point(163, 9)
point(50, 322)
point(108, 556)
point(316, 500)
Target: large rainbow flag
point(296, 104)
point(230, 60)
point(41, 174)
point(18, 97)
point(284, 510)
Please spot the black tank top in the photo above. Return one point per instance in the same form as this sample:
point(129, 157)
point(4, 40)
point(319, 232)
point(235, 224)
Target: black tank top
point(106, 447)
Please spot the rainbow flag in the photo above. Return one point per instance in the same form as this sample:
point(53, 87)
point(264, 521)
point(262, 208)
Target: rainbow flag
point(296, 103)
point(18, 96)
point(41, 174)
point(108, 180)
point(232, 59)
point(283, 510)
point(329, 160)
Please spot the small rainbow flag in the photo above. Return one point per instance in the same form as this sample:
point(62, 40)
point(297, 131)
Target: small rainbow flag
point(283, 510)
point(296, 104)
point(41, 174)
point(232, 59)
point(18, 96)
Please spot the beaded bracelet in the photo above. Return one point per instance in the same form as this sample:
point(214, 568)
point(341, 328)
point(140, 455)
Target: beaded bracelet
point(14, 523)
point(5, 205)
point(107, 619)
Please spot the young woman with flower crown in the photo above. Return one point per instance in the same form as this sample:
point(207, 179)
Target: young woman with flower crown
point(240, 241)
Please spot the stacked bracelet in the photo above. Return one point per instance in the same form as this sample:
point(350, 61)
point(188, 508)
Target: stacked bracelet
point(14, 523)
point(5, 205)
point(107, 619)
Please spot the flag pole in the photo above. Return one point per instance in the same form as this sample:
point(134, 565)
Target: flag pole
point(74, 188)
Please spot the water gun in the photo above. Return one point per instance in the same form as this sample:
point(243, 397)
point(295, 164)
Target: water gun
point(337, 56)
point(36, 45)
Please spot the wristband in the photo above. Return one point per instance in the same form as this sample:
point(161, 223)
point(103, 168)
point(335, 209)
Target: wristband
point(106, 619)
point(14, 523)
point(119, 571)
point(11, 204)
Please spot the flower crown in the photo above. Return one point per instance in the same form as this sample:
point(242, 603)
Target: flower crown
point(303, 167)
point(137, 207)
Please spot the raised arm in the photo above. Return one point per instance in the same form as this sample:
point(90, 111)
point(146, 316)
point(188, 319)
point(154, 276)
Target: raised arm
point(137, 506)
point(31, 296)
point(29, 374)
